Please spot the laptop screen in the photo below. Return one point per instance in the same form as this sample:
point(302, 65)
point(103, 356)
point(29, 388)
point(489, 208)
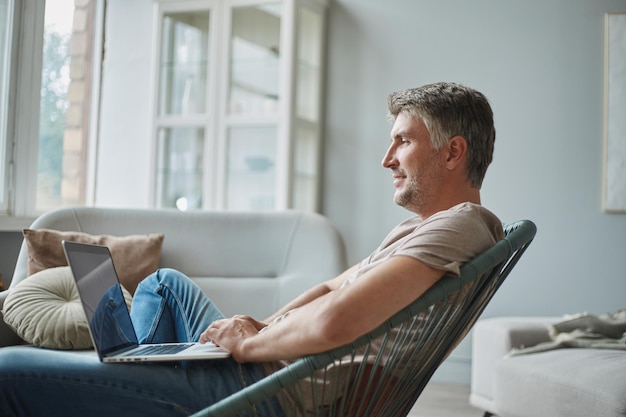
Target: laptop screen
point(101, 296)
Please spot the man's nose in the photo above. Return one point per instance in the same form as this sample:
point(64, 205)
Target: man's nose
point(389, 160)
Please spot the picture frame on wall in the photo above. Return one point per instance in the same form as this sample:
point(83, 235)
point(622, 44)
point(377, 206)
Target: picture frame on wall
point(614, 175)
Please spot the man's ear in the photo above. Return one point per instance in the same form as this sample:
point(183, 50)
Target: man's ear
point(457, 151)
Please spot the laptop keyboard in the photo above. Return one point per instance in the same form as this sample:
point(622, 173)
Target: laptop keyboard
point(160, 349)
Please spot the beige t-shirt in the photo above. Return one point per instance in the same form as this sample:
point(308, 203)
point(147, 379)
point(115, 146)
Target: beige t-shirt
point(444, 241)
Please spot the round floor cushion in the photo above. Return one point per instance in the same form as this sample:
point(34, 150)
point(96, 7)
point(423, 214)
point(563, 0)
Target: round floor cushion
point(45, 310)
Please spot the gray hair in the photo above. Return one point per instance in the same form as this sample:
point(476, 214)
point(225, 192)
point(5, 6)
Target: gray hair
point(448, 110)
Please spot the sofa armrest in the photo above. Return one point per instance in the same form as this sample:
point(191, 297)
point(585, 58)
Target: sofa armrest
point(493, 339)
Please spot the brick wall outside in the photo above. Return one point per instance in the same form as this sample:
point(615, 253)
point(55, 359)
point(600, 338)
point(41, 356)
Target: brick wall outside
point(79, 98)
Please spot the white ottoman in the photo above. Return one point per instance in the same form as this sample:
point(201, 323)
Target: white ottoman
point(562, 383)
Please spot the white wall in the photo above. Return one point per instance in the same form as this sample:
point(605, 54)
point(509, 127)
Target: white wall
point(540, 62)
point(124, 148)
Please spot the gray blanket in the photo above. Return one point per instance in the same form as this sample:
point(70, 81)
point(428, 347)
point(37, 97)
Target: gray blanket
point(604, 331)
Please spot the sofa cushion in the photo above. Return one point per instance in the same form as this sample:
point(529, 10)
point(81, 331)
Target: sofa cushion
point(134, 256)
point(562, 383)
point(45, 310)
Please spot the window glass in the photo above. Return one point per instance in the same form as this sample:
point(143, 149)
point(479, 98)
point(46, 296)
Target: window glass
point(309, 64)
point(184, 52)
point(179, 167)
point(64, 107)
point(254, 61)
point(251, 172)
point(183, 81)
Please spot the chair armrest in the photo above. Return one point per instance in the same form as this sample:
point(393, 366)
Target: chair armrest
point(493, 339)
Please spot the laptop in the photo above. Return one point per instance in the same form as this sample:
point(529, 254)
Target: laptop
point(111, 328)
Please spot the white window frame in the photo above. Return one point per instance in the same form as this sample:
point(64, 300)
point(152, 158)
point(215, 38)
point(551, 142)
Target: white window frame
point(23, 112)
point(4, 98)
point(26, 72)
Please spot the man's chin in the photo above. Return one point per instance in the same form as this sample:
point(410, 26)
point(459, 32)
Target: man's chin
point(405, 200)
point(400, 199)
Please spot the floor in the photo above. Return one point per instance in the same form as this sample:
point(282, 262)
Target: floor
point(445, 400)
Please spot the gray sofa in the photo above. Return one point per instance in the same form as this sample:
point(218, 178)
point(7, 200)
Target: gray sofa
point(249, 263)
point(555, 382)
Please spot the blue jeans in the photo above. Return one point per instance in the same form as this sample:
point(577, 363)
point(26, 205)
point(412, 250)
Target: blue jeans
point(167, 307)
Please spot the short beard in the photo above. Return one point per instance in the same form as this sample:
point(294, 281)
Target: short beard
point(421, 188)
point(408, 196)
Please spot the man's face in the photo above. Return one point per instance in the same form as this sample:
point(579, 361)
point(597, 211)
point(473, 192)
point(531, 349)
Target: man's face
point(416, 166)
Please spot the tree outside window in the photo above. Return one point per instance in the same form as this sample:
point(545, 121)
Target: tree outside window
point(64, 107)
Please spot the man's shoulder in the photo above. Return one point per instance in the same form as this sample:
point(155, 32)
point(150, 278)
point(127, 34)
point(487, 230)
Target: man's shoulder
point(461, 213)
point(463, 220)
point(465, 209)
point(451, 237)
point(467, 218)
point(466, 221)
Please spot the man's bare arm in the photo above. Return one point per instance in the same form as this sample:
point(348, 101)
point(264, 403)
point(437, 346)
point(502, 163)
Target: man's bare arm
point(332, 319)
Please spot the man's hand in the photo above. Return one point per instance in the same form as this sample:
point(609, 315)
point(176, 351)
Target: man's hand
point(230, 333)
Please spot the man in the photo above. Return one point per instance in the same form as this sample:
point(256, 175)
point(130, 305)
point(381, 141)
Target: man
point(441, 145)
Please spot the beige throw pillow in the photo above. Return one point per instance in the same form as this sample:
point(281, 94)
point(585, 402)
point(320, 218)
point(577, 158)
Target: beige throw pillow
point(135, 256)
